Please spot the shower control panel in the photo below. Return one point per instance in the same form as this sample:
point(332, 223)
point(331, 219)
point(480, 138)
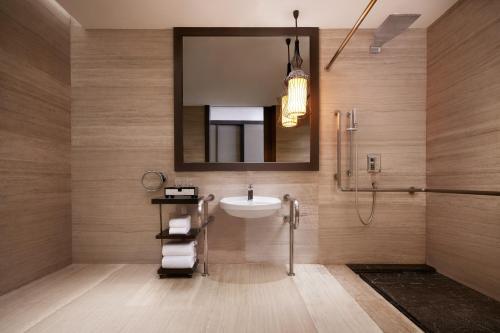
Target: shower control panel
point(373, 163)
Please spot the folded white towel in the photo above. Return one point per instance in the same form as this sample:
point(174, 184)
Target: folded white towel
point(178, 262)
point(179, 249)
point(178, 231)
point(180, 222)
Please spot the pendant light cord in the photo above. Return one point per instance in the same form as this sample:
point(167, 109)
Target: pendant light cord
point(297, 60)
point(289, 64)
point(296, 16)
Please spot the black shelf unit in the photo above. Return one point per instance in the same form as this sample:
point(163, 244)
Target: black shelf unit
point(193, 234)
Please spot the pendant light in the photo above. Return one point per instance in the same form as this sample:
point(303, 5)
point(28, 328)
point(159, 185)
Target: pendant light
point(297, 80)
point(286, 119)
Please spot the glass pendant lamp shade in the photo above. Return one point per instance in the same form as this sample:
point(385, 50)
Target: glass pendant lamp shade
point(289, 122)
point(297, 93)
point(286, 119)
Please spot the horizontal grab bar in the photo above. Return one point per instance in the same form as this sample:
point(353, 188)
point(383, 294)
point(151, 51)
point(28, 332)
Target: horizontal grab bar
point(472, 192)
point(402, 189)
point(430, 190)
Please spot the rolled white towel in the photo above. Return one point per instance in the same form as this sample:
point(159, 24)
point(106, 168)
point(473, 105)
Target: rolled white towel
point(179, 249)
point(180, 222)
point(178, 231)
point(178, 262)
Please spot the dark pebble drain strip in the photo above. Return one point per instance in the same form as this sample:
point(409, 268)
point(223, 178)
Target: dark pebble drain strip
point(432, 301)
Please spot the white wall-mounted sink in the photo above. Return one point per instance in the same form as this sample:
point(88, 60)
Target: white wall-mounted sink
point(250, 209)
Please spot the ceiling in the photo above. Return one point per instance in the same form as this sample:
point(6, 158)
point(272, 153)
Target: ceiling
point(161, 14)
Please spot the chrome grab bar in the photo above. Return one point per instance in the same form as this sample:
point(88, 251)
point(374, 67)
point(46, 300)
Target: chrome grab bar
point(293, 219)
point(203, 206)
point(471, 192)
point(296, 215)
point(410, 190)
point(338, 175)
point(203, 210)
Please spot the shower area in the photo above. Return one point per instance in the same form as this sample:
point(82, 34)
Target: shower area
point(394, 166)
point(420, 291)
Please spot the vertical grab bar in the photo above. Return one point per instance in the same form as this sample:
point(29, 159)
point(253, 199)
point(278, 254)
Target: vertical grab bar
point(338, 175)
point(293, 219)
point(205, 240)
point(203, 210)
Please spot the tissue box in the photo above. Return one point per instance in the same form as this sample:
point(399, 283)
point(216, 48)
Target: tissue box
point(181, 192)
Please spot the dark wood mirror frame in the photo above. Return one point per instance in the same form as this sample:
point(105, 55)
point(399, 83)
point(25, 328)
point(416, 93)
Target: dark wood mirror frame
point(312, 165)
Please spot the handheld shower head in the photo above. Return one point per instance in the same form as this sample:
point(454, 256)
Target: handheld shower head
point(353, 120)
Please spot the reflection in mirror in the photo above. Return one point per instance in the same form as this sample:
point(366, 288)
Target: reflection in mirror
point(231, 90)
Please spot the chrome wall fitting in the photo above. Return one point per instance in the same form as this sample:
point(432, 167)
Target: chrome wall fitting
point(153, 180)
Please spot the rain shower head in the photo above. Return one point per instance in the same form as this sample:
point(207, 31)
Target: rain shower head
point(393, 25)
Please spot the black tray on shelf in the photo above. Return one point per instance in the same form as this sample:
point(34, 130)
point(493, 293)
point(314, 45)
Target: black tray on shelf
point(177, 272)
point(178, 201)
point(192, 234)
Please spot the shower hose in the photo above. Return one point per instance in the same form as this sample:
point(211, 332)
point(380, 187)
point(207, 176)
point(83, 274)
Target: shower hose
point(374, 194)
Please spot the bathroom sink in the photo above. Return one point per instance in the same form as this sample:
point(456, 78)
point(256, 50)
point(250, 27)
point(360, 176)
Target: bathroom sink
point(250, 209)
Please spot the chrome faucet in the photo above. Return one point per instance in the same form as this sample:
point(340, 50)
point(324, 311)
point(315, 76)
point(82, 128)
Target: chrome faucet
point(250, 192)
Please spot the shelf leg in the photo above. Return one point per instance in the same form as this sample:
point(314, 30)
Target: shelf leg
point(205, 251)
point(291, 272)
point(161, 230)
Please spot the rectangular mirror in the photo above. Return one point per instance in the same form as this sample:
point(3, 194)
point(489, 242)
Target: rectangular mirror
point(228, 87)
